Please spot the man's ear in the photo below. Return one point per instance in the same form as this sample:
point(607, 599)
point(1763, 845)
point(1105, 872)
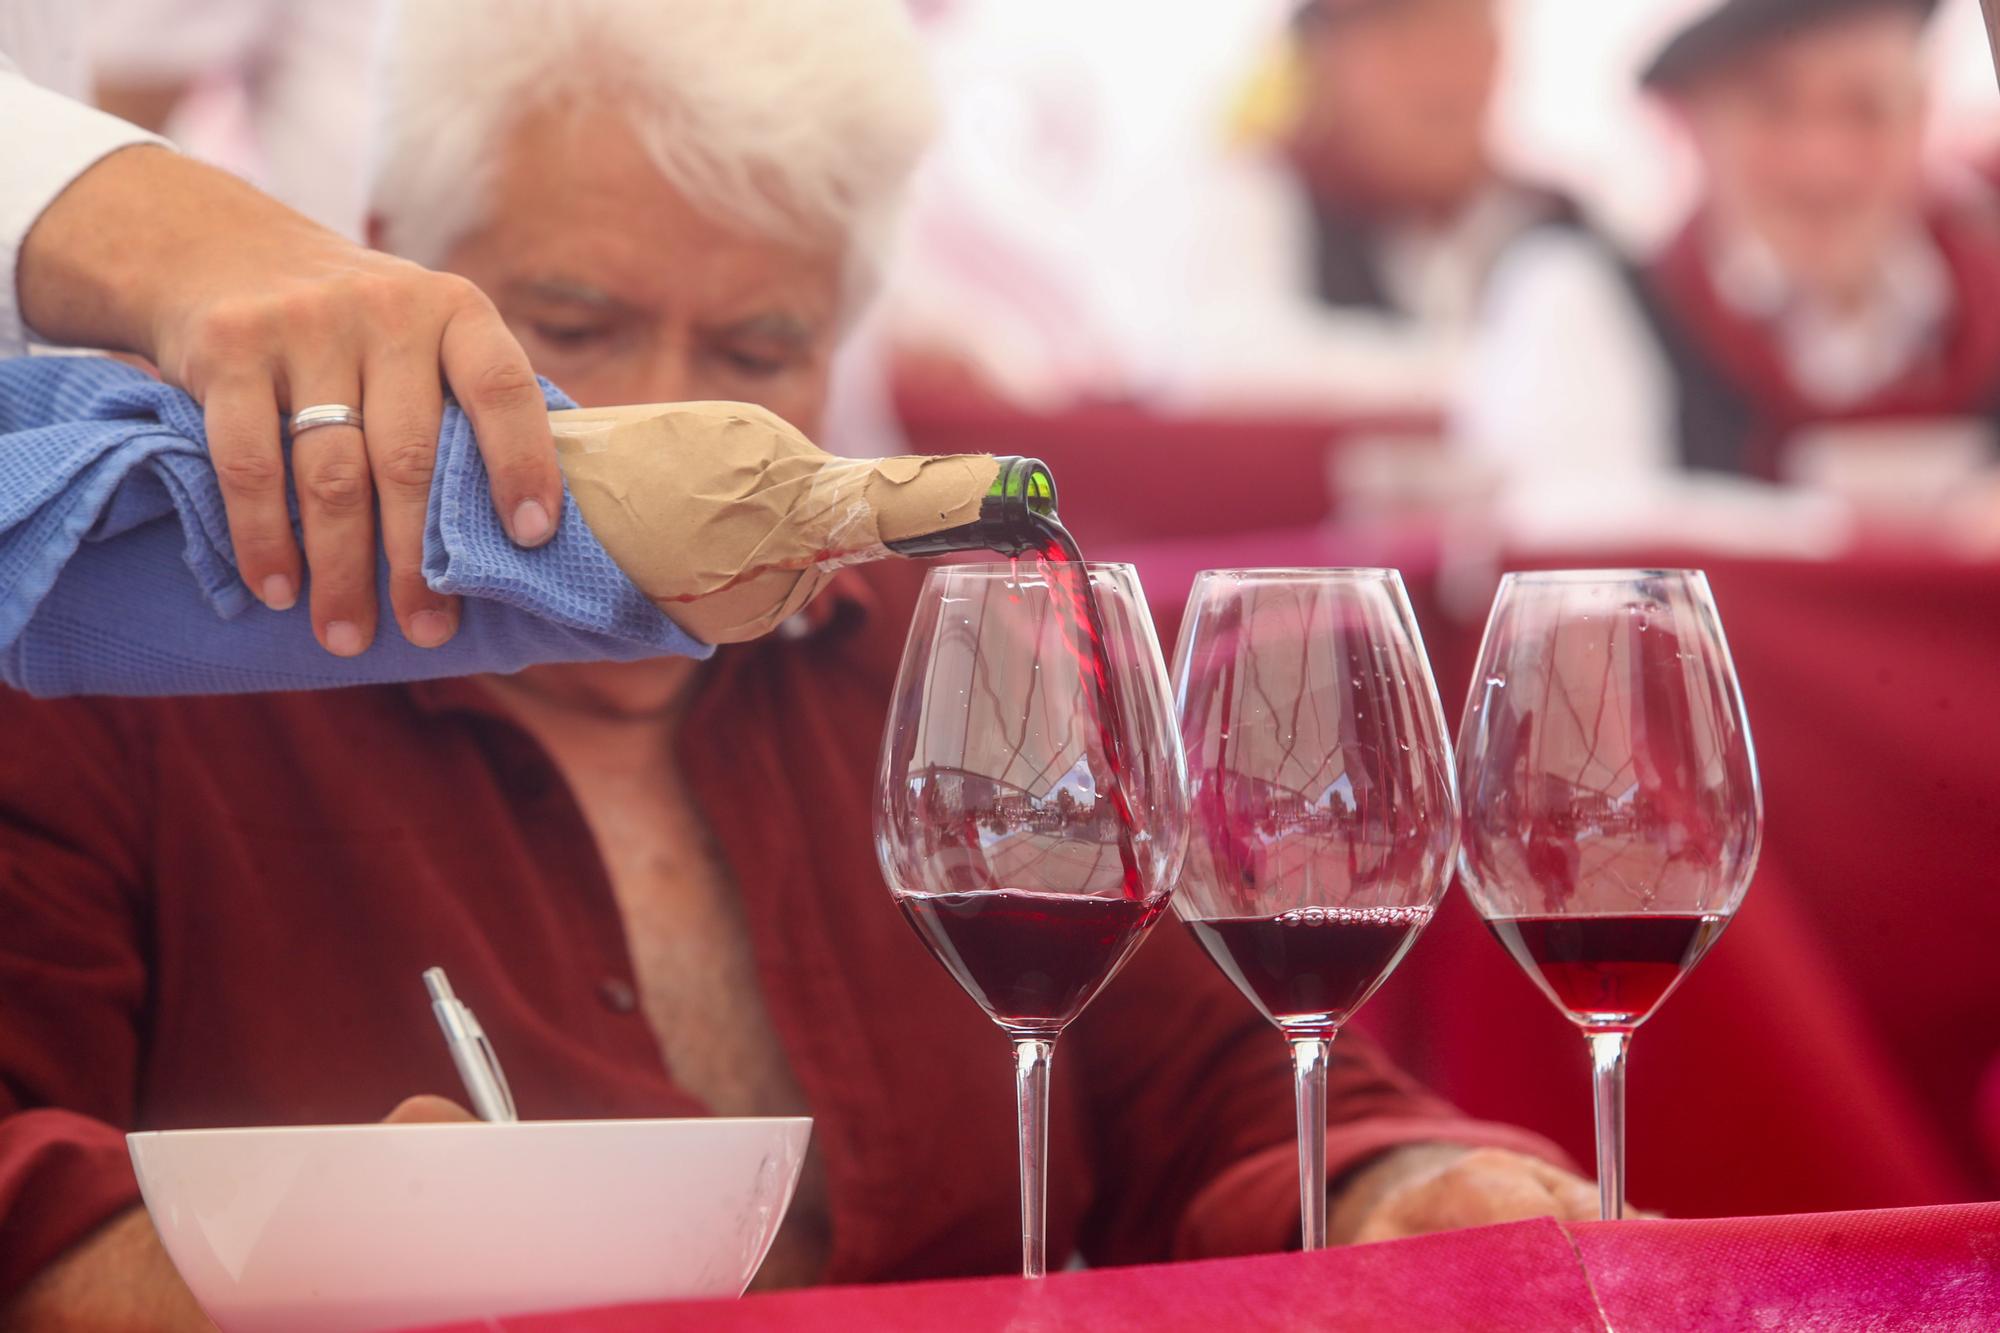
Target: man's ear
point(372, 229)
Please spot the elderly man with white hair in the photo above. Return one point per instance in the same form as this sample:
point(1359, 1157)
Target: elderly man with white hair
point(656, 880)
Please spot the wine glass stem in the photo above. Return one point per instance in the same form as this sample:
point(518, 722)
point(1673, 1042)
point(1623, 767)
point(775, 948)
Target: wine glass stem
point(1309, 1057)
point(1031, 1104)
point(1607, 1076)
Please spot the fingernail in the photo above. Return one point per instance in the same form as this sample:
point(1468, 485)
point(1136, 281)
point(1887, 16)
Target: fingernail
point(531, 522)
point(428, 629)
point(279, 594)
point(343, 638)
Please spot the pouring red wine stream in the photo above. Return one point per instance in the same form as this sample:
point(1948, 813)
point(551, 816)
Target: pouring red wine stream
point(1061, 564)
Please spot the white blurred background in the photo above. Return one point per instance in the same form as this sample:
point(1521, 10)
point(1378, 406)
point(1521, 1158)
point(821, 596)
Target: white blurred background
point(1133, 85)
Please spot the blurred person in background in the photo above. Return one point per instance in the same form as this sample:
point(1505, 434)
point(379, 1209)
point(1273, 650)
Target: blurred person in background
point(1342, 253)
point(271, 89)
point(1034, 271)
point(1820, 317)
point(658, 878)
point(1157, 225)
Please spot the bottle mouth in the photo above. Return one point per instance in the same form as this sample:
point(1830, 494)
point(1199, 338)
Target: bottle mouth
point(1030, 481)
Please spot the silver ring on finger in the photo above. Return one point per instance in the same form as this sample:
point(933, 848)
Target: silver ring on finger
point(324, 414)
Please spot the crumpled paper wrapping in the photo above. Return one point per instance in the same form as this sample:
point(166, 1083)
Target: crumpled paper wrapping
point(731, 521)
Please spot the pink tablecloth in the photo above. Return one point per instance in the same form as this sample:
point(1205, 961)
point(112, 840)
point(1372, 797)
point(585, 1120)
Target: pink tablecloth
point(1909, 1270)
point(1840, 1048)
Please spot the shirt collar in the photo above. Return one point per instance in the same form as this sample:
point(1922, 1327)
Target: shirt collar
point(1913, 283)
point(1841, 356)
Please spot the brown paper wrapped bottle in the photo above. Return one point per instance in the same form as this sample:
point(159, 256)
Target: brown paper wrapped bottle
point(730, 520)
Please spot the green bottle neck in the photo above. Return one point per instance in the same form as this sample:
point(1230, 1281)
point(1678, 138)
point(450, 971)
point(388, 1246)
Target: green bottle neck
point(1013, 518)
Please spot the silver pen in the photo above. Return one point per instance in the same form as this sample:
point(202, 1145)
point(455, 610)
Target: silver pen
point(478, 1066)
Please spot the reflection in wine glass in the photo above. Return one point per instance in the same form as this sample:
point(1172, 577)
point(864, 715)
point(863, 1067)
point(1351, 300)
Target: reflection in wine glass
point(1612, 813)
point(1323, 810)
point(1032, 812)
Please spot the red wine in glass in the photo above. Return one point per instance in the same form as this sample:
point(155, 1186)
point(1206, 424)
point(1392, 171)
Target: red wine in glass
point(1033, 799)
point(1034, 960)
point(1308, 970)
point(1609, 971)
point(1321, 804)
point(1031, 960)
point(1611, 810)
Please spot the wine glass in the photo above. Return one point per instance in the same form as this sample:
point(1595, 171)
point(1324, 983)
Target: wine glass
point(1611, 808)
point(1033, 804)
point(1323, 812)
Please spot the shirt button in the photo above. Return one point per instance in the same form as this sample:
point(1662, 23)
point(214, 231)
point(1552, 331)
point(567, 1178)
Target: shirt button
point(617, 995)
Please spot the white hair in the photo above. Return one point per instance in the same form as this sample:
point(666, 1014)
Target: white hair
point(797, 119)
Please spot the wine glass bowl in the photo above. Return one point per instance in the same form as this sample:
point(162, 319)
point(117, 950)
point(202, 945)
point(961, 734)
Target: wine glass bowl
point(1032, 804)
point(1323, 818)
point(996, 772)
point(1611, 807)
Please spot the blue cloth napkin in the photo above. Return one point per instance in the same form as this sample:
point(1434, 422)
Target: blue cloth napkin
point(117, 577)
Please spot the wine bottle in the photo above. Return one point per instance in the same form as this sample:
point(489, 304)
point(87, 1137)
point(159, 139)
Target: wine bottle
point(730, 520)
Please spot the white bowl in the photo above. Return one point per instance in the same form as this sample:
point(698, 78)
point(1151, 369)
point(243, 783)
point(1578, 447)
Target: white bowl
point(346, 1228)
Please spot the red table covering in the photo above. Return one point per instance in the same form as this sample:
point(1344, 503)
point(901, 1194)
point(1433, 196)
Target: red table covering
point(1839, 1049)
point(1911, 1269)
point(1123, 473)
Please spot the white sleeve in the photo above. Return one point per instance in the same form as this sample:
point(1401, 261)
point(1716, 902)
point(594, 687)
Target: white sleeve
point(51, 140)
point(1247, 332)
point(1565, 378)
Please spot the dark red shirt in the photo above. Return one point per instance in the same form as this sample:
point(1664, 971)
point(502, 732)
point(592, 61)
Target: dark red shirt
point(215, 911)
